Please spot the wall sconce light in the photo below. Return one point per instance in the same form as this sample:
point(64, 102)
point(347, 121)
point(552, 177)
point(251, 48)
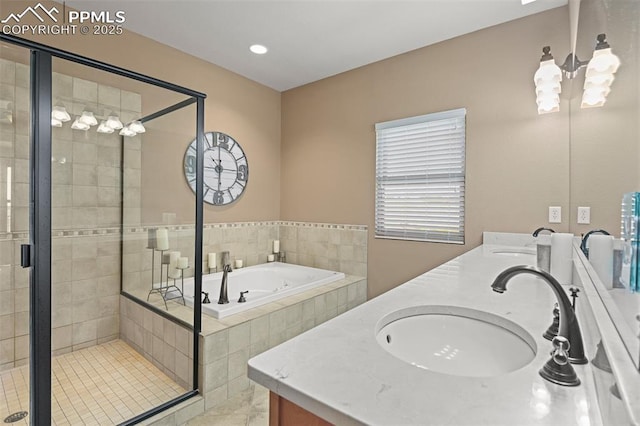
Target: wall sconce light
point(88, 118)
point(114, 122)
point(137, 127)
point(60, 114)
point(79, 125)
point(104, 128)
point(599, 76)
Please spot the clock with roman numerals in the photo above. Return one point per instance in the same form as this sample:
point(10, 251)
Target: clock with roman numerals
point(226, 170)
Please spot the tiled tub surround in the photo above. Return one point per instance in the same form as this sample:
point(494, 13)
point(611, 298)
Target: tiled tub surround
point(335, 247)
point(365, 385)
point(86, 169)
point(228, 343)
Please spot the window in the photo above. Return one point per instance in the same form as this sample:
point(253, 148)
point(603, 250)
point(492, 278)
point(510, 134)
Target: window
point(420, 178)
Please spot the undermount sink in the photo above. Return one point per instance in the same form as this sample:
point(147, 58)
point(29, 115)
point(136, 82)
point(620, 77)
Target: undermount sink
point(455, 340)
point(515, 252)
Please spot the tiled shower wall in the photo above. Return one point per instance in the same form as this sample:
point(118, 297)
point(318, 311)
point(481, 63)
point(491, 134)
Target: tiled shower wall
point(340, 248)
point(86, 168)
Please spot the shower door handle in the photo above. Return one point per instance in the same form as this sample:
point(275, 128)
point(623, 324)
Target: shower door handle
point(25, 255)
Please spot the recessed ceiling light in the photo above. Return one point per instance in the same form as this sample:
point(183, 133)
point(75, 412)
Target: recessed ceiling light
point(527, 1)
point(258, 49)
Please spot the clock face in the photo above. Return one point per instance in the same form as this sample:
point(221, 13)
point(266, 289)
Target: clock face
point(226, 170)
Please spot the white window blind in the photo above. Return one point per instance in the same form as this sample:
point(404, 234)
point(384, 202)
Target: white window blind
point(420, 173)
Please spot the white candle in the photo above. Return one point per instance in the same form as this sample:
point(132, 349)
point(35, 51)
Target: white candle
point(271, 258)
point(276, 246)
point(212, 262)
point(173, 262)
point(238, 263)
point(151, 238)
point(183, 263)
point(162, 239)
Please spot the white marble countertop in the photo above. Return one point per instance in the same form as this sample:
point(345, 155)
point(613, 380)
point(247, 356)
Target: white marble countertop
point(339, 372)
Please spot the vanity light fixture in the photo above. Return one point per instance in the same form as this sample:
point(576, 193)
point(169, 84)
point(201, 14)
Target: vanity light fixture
point(126, 131)
point(59, 113)
point(79, 125)
point(88, 118)
point(55, 122)
point(258, 49)
point(599, 76)
point(104, 128)
point(114, 122)
point(137, 127)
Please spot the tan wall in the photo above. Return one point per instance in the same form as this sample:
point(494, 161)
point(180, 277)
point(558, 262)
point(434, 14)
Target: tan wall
point(517, 161)
point(605, 142)
point(246, 110)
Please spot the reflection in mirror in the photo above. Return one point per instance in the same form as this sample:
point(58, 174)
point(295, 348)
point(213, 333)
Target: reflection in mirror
point(605, 142)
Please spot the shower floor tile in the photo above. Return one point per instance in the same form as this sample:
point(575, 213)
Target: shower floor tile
point(103, 384)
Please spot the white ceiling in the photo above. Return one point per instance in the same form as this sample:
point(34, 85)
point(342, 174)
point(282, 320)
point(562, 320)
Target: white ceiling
point(308, 39)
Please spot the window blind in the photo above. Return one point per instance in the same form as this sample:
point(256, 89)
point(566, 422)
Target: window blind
point(420, 176)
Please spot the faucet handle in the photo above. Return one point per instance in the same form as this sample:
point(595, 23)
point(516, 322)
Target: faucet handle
point(552, 331)
point(560, 352)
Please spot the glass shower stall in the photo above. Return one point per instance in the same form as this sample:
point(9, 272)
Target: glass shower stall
point(89, 235)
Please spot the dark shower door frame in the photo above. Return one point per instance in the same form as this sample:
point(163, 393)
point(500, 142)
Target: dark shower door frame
point(39, 247)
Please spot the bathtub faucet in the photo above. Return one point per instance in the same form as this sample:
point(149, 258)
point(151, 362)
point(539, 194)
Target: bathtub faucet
point(224, 298)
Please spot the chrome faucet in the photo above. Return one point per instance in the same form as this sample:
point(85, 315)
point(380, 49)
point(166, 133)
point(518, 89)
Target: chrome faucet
point(569, 327)
point(583, 244)
point(226, 268)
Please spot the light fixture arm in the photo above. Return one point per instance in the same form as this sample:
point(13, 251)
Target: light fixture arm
point(572, 65)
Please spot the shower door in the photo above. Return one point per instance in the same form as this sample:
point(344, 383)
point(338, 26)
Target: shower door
point(15, 205)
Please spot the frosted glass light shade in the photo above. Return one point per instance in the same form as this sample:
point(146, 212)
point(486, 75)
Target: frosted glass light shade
point(547, 71)
point(126, 131)
point(104, 128)
point(548, 87)
point(547, 108)
point(60, 113)
point(79, 125)
point(603, 61)
point(88, 118)
point(594, 97)
point(137, 127)
point(114, 122)
point(55, 122)
point(598, 80)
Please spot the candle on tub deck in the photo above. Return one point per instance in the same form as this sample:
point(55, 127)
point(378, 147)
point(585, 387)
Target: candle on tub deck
point(183, 263)
point(276, 246)
point(151, 238)
point(212, 263)
point(238, 263)
point(162, 239)
point(173, 258)
point(271, 258)
point(173, 263)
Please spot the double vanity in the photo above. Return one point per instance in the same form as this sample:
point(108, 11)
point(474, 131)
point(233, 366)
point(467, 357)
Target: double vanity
point(446, 349)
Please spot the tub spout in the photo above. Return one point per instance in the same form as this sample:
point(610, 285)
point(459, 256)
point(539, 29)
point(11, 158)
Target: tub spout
point(569, 327)
point(224, 298)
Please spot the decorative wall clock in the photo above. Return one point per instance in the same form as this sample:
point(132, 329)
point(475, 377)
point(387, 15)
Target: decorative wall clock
point(226, 170)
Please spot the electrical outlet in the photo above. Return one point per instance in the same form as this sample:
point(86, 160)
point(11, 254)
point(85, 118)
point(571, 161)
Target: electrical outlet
point(555, 214)
point(584, 215)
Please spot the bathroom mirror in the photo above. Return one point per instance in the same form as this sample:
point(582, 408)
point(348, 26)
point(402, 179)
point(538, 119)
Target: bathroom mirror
point(605, 142)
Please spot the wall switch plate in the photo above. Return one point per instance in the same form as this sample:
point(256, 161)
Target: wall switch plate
point(584, 215)
point(555, 214)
